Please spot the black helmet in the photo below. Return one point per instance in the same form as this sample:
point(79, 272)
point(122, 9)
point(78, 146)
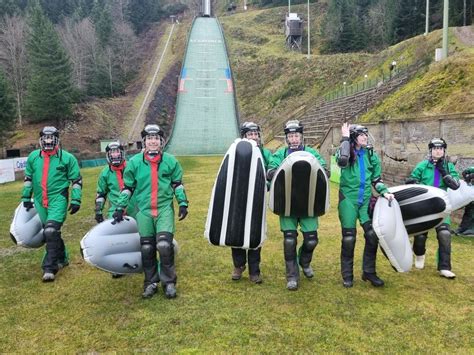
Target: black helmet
point(247, 127)
point(49, 138)
point(437, 142)
point(114, 159)
point(293, 126)
point(356, 130)
point(152, 129)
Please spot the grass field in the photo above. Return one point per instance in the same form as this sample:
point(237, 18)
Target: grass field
point(86, 310)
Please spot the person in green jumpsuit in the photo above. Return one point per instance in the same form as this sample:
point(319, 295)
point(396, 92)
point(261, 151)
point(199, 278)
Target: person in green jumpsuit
point(360, 171)
point(288, 225)
point(50, 171)
point(154, 178)
point(438, 172)
point(466, 227)
point(250, 130)
point(110, 183)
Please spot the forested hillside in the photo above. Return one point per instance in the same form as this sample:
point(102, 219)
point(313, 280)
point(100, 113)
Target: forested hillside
point(72, 62)
point(57, 53)
point(355, 25)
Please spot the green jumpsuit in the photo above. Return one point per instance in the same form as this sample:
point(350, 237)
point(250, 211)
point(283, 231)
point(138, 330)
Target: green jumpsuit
point(109, 185)
point(47, 178)
point(358, 177)
point(426, 173)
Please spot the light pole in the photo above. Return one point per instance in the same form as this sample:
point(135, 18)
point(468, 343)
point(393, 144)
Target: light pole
point(344, 83)
point(289, 5)
point(365, 80)
point(245, 4)
point(427, 21)
point(445, 28)
point(309, 37)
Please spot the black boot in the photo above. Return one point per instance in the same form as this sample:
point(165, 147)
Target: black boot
point(373, 278)
point(170, 291)
point(149, 290)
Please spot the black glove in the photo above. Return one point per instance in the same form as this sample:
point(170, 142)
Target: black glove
point(270, 174)
point(118, 215)
point(99, 217)
point(441, 168)
point(73, 208)
point(183, 212)
point(411, 180)
point(28, 205)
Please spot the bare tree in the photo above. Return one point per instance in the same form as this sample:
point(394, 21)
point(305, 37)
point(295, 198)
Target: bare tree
point(125, 44)
point(119, 8)
point(13, 56)
point(79, 40)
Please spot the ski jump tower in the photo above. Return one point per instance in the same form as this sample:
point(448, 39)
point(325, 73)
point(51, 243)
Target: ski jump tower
point(293, 31)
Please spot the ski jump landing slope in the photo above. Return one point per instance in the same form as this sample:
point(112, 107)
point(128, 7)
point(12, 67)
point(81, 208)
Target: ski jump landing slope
point(206, 119)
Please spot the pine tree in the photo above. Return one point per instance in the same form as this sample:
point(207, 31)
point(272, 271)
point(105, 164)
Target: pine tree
point(49, 89)
point(7, 108)
point(409, 21)
point(143, 12)
point(102, 21)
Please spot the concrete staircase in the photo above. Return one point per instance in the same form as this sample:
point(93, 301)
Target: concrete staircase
point(318, 118)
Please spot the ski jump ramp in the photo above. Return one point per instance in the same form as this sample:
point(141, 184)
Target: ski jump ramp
point(206, 120)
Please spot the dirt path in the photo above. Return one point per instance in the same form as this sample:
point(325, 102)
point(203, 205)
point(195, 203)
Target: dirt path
point(465, 35)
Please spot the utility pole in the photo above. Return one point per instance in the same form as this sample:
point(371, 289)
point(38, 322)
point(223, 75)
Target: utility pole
point(427, 20)
point(309, 37)
point(445, 28)
point(289, 5)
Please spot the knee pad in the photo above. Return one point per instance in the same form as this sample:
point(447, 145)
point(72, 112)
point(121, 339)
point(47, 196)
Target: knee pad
point(289, 245)
point(349, 238)
point(420, 238)
point(369, 232)
point(148, 247)
point(443, 233)
point(289, 239)
point(310, 240)
point(51, 230)
point(164, 243)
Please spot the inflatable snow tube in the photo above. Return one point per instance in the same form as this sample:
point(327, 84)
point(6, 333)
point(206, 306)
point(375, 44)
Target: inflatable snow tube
point(393, 237)
point(236, 214)
point(26, 228)
point(461, 197)
point(115, 247)
point(300, 187)
point(423, 207)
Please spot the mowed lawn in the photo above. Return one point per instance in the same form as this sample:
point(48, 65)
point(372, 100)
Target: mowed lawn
point(86, 310)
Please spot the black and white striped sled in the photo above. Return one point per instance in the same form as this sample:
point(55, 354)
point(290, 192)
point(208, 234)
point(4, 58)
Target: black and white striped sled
point(236, 215)
point(26, 228)
point(300, 187)
point(423, 207)
point(461, 197)
point(115, 248)
point(393, 237)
